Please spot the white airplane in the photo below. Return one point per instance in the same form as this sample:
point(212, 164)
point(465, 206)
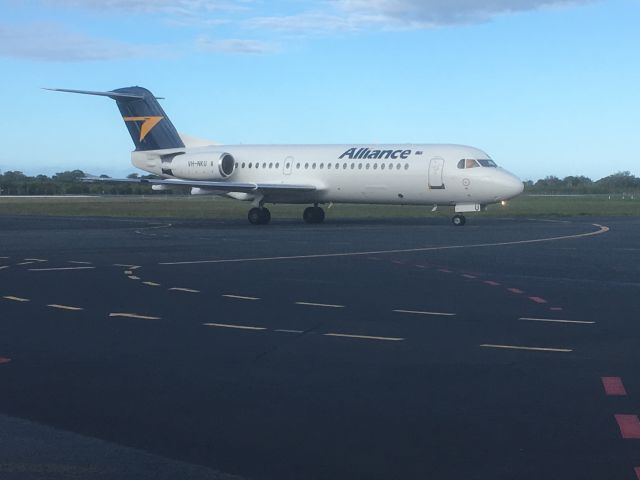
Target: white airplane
point(407, 174)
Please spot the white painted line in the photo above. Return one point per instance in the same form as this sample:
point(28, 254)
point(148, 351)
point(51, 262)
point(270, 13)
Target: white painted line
point(364, 337)
point(133, 315)
point(238, 327)
point(64, 307)
point(16, 299)
point(128, 272)
point(240, 297)
point(26, 263)
point(151, 284)
point(35, 260)
point(416, 312)
point(4, 266)
point(79, 262)
point(466, 275)
point(283, 330)
point(601, 229)
point(4, 258)
point(131, 267)
point(133, 277)
point(535, 349)
point(554, 320)
point(60, 269)
point(326, 305)
point(189, 290)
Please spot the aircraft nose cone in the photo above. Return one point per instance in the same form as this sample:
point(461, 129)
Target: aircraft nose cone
point(513, 186)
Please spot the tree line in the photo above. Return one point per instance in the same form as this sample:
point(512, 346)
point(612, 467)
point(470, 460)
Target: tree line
point(69, 183)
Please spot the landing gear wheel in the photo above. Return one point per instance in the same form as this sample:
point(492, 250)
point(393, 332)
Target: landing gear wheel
point(259, 216)
point(313, 215)
point(458, 220)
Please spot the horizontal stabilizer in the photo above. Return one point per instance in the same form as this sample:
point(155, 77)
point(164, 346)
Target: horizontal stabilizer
point(113, 95)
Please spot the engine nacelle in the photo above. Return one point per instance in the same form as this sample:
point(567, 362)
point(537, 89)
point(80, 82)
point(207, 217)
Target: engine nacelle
point(201, 166)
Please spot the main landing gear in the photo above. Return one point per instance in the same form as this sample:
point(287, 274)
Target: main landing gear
point(259, 216)
point(458, 220)
point(313, 214)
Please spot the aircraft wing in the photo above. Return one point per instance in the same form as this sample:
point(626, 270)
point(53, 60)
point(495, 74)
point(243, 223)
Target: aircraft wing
point(220, 186)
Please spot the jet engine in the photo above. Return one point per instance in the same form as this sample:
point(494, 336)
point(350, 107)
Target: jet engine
point(201, 166)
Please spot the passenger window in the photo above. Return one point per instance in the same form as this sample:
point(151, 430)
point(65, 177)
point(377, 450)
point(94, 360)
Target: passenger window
point(398, 166)
point(359, 166)
point(306, 166)
point(406, 166)
point(382, 166)
point(337, 166)
point(242, 164)
point(375, 166)
point(286, 166)
point(328, 166)
point(271, 165)
point(297, 166)
point(313, 167)
point(353, 165)
point(368, 166)
point(250, 164)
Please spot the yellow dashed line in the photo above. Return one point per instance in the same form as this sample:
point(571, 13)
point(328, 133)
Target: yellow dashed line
point(64, 307)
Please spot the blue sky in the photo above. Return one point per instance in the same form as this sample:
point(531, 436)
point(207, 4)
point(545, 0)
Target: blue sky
point(546, 87)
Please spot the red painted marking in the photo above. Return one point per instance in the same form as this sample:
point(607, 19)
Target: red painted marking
point(637, 470)
point(629, 425)
point(492, 283)
point(444, 270)
point(613, 386)
point(4, 360)
point(538, 299)
point(515, 290)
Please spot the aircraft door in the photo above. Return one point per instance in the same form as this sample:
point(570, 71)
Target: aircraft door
point(288, 165)
point(436, 167)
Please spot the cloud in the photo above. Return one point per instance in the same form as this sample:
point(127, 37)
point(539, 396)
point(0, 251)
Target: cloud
point(330, 16)
point(235, 46)
point(429, 13)
point(185, 7)
point(53, 43)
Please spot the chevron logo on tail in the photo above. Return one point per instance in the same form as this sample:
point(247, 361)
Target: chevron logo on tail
point(147, 124)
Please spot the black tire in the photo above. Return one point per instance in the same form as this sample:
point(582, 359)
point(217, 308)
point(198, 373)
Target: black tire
point(313, 215)
point(255, 216)
point(458, 220)
point(266, 216)
point(308, 215)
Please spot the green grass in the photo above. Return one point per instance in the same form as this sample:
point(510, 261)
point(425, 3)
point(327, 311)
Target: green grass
point(209, 207)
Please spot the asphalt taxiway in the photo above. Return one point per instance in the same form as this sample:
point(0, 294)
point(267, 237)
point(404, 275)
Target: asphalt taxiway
point(354, 349)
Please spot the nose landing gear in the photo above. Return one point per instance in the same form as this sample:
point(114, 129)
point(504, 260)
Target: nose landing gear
point(458, 220)
point(313, 214)
point(259, 216)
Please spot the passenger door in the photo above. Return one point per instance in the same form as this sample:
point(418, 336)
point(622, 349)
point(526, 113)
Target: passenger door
point(436, 166)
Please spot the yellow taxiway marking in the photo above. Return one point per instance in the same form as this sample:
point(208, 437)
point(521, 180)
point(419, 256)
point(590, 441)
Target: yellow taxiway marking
point(363, 337)
point(133, 315)
point(151, 284)
point(327, 305)
point(238, 327)
point(284, 330)
point(16, 299)
point(240, 297)
point(601, 229)
point(518, 347)
point(59, 269)
point(417, 312)
point(133, 277)
point(179, 289)
point(554, 320)
point(64, 307)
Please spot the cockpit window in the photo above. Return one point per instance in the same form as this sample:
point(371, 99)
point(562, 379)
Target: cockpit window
point(488, 163)
point(470, 163)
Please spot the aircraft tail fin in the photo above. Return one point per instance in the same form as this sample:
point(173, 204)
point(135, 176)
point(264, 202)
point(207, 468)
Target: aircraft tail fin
point(148, 125)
